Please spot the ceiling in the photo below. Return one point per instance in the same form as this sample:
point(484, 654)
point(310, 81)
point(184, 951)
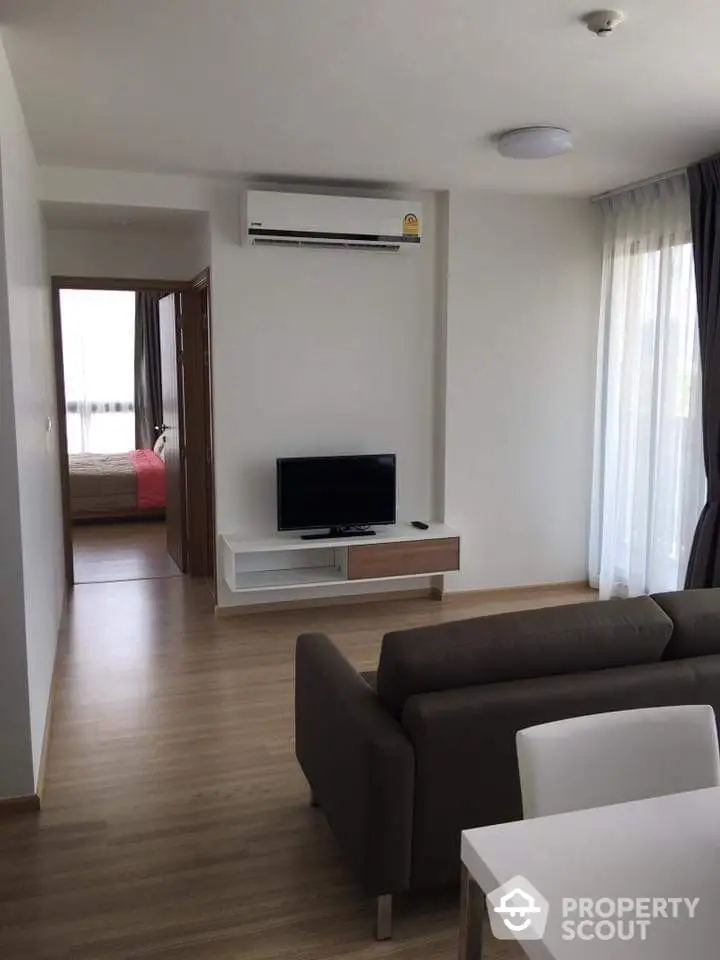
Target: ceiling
point(391, 91)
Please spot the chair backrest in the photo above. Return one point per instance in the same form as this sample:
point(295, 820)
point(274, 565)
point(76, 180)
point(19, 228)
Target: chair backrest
point(606, 758)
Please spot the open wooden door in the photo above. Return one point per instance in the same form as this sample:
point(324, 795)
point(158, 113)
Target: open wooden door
point(173, 425)
point(195, 389)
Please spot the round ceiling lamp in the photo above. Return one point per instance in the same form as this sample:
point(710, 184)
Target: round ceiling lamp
point(535, 143)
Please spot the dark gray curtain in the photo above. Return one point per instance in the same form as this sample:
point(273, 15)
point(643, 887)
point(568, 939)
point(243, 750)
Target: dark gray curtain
point(148, 372)
point(704, 178)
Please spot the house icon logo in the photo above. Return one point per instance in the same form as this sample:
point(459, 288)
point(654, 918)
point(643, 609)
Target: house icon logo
point(517, 911)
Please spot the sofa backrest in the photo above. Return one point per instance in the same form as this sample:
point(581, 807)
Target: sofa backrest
point(696, 618)
point(466, 771)
point(574, 638)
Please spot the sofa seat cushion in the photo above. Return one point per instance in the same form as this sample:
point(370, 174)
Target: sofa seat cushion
point(574, 638)
point(696, 618)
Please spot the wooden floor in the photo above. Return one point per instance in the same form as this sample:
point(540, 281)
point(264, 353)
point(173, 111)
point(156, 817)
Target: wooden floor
point(175, 823)
point(121, 551)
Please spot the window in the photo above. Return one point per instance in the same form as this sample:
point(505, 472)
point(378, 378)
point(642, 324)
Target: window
point(98, 338)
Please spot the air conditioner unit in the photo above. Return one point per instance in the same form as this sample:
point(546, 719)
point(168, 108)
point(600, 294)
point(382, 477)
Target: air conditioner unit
point(302, 219)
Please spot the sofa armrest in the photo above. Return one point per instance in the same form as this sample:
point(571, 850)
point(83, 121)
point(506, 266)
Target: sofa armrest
point(358, 762)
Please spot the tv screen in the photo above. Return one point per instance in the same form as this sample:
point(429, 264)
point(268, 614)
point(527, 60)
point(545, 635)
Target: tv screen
point(314, 492)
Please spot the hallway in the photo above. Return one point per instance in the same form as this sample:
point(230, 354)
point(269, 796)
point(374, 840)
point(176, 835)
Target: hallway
point(105, 552)
point(175, 821)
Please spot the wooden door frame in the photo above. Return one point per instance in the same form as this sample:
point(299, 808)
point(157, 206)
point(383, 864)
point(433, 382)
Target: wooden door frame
point(201, 283)
point(58, 283)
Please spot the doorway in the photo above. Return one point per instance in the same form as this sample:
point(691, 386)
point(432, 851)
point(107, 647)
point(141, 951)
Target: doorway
point(131, 356)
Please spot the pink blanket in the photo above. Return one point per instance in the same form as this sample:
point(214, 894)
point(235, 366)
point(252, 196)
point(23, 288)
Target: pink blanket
point(150, 474)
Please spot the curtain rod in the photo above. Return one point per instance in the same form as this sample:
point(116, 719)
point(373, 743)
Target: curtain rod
point(639, 183)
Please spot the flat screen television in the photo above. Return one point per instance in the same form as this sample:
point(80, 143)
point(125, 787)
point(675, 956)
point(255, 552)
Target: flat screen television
point(344, 494)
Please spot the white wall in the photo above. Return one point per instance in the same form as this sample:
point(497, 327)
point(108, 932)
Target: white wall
point(16, 769)
point(486, 393)
point(318, 352)
point(129, 252)
point(124, 188)
point(25, 306)
point(523, 301)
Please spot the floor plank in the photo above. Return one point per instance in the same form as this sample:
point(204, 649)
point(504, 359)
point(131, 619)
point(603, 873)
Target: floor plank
point(176, 823)
point(105, 552)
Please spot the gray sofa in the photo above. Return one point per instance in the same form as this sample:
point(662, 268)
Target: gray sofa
point(401, 761)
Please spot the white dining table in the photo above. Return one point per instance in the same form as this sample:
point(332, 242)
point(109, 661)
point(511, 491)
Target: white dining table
point(654, 851)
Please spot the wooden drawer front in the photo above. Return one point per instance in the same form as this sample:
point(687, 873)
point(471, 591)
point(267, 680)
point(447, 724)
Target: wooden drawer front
point(403, 559)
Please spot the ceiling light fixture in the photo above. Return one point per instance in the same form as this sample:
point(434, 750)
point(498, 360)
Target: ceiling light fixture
point(535, 143)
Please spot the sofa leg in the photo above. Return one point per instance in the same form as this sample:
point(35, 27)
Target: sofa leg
point(383, 917)
point(314, 802)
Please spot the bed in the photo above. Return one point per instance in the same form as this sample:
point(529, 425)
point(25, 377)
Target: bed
point(105, 486)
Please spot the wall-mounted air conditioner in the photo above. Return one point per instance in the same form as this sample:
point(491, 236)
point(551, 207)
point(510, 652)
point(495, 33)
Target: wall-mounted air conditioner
point(302, 219)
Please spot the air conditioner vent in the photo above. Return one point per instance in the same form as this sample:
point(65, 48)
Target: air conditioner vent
point(324, 244)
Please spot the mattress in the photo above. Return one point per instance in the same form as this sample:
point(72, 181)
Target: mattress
point(116, 484)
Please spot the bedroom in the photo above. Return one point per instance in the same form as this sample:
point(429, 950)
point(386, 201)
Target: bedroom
point(135, 421)
point(114, 429)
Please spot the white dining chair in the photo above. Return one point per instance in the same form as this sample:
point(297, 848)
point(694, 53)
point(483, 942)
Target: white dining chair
point(608, 758)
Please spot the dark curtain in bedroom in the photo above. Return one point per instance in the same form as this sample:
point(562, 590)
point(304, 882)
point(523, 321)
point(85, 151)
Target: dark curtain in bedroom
point(148, 375)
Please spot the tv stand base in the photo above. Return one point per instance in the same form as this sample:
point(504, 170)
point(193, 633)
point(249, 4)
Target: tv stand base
point(340, 532)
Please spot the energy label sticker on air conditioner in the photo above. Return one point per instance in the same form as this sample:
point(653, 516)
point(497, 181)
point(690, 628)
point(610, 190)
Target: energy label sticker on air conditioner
point(411, 225)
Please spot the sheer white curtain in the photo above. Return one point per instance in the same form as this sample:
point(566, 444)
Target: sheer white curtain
point(649, 477)
point(98, 335)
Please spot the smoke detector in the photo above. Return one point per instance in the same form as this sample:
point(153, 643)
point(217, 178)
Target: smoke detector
point(603, 22)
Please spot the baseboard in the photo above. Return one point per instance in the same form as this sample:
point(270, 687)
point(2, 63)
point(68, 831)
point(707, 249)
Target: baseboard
point(12, 806)
point(510, 593)
point(433, 593)
point(40, 786)
point(422, 593)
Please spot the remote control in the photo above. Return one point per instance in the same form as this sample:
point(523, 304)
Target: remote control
point(420, 525)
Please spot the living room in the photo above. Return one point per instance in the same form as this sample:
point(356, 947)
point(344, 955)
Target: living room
point(488, 360)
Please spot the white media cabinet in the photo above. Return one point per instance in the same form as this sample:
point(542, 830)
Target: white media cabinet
point(286, 561)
